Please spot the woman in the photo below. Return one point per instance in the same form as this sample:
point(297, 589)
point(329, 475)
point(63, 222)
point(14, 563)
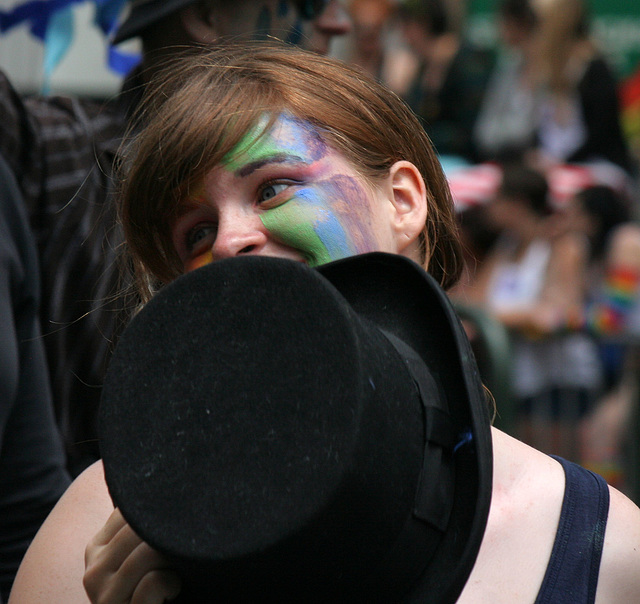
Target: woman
point(578, 108)
point(450, 77)
point(534, 282)
point(272, 151)
point(553, 95)
point(603, 217)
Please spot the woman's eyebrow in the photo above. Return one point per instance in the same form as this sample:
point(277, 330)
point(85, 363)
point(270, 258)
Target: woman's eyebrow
point(188, 205)
point(278, 158)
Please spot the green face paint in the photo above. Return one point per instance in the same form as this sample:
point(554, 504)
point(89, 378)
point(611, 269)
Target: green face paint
point(294, 225)
point(254, 147)
point(308, 202)
point(324, 218)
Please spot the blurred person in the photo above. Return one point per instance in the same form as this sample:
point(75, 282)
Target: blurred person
point(604, 217)
point(553, 97)
point(451, 76)
point(62, 151)
point(506, 124)
point(32, 462)
point(534, 282)
point(478, 234)
point(272, 206)
point(367, 48)
point(578, 106)
point(612, 314)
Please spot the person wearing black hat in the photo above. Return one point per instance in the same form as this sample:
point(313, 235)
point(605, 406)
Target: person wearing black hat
point(309, 23)
point(295, 415)
point(62, 151)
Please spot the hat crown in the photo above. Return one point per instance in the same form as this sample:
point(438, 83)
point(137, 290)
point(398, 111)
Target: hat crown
point(143, 13)
point(312, 426)
point(262, 425)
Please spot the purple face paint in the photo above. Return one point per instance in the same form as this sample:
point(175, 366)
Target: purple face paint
point(325, 214)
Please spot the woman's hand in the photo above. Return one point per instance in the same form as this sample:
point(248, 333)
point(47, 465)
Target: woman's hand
point(121, 568)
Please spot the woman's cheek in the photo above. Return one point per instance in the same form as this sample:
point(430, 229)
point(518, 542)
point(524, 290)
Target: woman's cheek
point(200, 260)
point(308, 224)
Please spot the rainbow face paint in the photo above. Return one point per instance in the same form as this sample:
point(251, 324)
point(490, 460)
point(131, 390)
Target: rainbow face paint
point(200, 260)
point(325, 213)
point(282, 192)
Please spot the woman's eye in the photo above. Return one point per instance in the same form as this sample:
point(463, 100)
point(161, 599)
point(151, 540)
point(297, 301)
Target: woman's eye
point(270, 191)
point(198, 235)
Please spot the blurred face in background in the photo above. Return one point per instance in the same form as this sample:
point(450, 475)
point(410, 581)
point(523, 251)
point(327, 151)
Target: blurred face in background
point(310, 24)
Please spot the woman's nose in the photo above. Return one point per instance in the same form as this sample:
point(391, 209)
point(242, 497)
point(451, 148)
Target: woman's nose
point(237, 234)
point(334, 20)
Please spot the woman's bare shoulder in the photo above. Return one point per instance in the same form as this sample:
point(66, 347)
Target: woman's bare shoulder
point(528, 495)
point(619, 579)
point(53, 566)
point(528, 489)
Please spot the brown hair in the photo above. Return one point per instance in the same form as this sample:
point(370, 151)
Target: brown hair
point(200, 109)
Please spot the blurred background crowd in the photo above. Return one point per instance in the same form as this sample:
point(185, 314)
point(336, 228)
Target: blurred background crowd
point(538, 134)
point(534, 109)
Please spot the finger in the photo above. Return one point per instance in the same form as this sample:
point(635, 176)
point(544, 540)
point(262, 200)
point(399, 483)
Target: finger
point(141, 561)
point(111, 527)
point(157, 587)
point(105, 583)
point(112, 554)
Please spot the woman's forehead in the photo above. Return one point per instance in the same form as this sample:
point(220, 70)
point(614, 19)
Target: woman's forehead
point(277, 133)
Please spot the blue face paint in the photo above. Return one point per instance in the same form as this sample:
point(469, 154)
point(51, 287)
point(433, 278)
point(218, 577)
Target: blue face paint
point(327, 216)
point(306, 194)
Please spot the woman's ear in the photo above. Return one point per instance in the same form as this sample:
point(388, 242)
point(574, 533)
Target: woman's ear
point(199, 25)
point(408, 197)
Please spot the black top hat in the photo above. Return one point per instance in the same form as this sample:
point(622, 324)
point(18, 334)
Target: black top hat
point(288, 434)
point(143, 13)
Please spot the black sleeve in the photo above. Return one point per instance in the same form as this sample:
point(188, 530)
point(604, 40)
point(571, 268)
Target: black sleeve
point(32, 463)
point(601, 111)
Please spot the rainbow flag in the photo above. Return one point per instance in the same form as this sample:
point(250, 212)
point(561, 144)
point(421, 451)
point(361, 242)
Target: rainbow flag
point(630, 110)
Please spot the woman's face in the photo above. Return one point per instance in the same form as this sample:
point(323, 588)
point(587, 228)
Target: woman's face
point(311, 24)
point(258, 19)
point(285, 194)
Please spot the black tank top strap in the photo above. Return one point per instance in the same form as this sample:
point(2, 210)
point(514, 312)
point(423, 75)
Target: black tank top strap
point(574, 565)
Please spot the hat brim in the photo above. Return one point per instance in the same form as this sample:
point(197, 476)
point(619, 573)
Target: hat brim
point(401, 298)
point(144, 14)
point(390, 292)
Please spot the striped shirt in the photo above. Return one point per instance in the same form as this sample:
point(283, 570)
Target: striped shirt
point(62, 152)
